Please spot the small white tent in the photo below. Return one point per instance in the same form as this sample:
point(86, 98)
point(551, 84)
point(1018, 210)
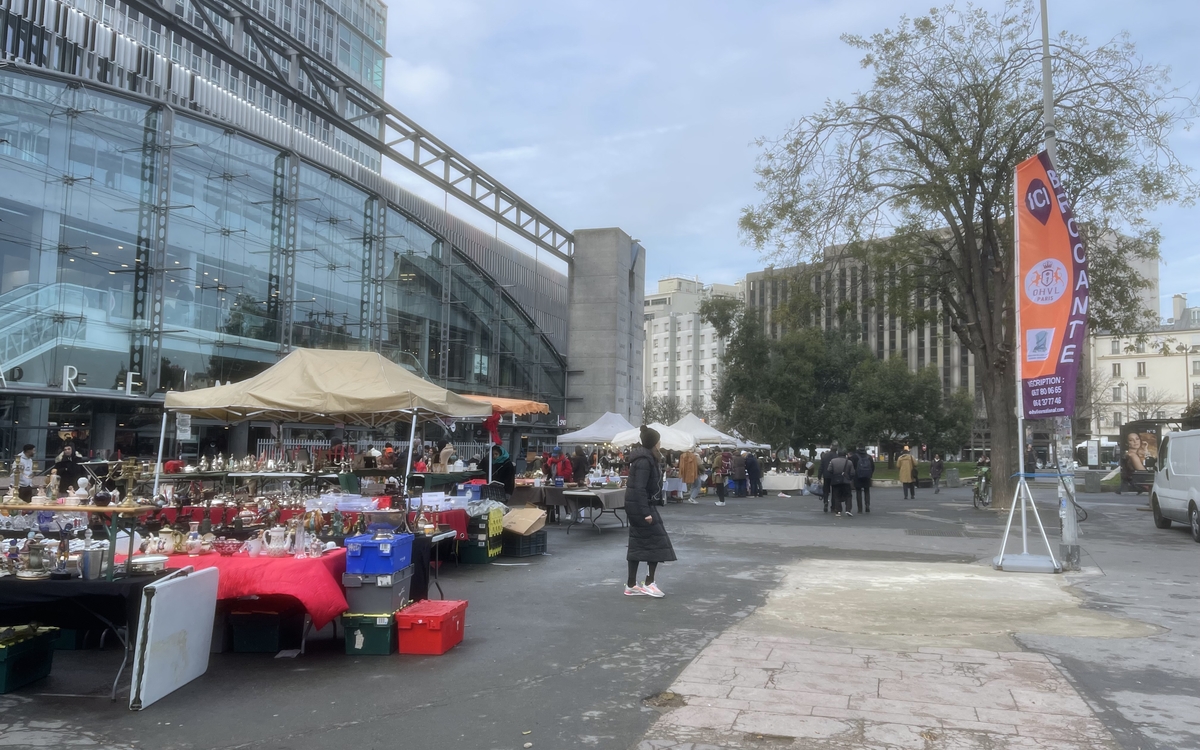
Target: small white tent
point(670, 439)
point(603, 430)
point(704, 434)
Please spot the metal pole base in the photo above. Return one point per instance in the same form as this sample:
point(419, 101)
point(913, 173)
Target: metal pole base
point(1069, 554)
point(1026, 563)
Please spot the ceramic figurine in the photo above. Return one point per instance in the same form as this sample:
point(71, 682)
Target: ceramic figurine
point(338, 528)
point(52, 484)
point(193, 544)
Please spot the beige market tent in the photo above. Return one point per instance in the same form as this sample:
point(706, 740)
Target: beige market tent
point(319, 386)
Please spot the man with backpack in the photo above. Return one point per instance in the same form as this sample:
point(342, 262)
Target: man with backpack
point(823, 475)
point(841, 478)
point(864, 470)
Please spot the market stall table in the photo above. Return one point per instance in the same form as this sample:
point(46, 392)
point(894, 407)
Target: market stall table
point(674, 485)
point(432, 481)
point(547, 496)
point(114, 513)
point(452, 519)
point(783, 482)
point(314, 582)
point(78, 605)
point(604, 500)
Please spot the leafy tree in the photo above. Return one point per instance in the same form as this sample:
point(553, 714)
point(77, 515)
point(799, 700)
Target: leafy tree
point(792, 391)
point(914, 176)
point(895, 406)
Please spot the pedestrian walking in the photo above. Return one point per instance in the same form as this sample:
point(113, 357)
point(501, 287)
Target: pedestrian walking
point(863, 471)
point(25, 477)
point(841, 478)
point(936, 467)
point(738, 473)
point(579, 466)
point(720, 472)
point(648, 539)
point(689, 474)
point(823, 474)
point(754, 475)
point(908, 473)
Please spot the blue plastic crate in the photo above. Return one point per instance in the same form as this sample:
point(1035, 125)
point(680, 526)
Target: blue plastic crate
point(470, 491)
point(366, 555)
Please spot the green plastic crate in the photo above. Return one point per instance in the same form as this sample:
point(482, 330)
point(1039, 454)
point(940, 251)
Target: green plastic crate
point(479, 552)
point(255, 632)
point(370, 634)
point(70, 639)
point(27, 660)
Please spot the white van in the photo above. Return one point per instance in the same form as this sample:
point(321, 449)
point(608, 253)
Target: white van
point(1176, 492)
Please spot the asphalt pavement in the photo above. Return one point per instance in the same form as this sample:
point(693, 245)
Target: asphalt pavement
point(555, 655)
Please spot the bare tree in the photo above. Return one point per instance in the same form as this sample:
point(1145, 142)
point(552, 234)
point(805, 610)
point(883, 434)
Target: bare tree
point(914, 176)
point(663, 409)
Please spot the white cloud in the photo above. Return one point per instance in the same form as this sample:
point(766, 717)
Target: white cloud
point(643, 115)
point(421, 82)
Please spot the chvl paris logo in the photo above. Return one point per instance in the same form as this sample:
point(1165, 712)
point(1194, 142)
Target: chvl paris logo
point(1046, 282)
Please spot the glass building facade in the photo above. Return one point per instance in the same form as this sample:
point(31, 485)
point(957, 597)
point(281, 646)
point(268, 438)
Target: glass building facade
point(147, 246)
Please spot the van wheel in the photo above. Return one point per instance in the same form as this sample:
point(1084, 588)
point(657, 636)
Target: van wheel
point(1194, 519)
point(1159, 520)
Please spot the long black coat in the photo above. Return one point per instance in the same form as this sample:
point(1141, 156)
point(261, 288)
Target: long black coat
point(648, 542)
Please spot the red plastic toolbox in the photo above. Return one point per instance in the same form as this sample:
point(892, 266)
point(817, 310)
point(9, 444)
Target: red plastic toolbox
point(431, 626)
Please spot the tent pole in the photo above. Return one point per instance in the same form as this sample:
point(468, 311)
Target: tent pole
point(162, 436)
point(412, 436)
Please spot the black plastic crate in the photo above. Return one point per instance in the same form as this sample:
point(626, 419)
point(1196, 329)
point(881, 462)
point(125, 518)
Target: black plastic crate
point(516, 545)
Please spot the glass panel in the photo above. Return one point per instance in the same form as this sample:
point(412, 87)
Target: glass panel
point(329, 252)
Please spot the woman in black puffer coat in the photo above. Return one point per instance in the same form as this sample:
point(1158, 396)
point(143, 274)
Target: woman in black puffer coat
point(648, 540)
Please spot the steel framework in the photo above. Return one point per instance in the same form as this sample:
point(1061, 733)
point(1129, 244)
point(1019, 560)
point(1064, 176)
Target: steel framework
point(348, 104)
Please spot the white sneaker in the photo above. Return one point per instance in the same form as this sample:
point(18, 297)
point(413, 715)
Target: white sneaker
point(719, 503)
point(692, 501)
point(652, 590)
point(636, 591)
point(849, 513)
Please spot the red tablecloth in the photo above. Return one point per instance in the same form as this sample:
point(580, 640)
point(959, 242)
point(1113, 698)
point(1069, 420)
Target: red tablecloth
point(455, 519)
point(217, 515)
point(316, 582)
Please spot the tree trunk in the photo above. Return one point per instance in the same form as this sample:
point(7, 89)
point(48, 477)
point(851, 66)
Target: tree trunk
point(1000, 398)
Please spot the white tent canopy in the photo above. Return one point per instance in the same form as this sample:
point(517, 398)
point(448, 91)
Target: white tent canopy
point(603, 430)
point(748, 445)
point(704, 434)
point(670, 439)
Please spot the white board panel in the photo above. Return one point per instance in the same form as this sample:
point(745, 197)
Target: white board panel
point(174, 634)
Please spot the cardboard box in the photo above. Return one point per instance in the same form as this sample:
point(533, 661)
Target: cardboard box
point(524, 521)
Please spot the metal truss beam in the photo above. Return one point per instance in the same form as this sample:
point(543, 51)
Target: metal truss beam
point(398, 137)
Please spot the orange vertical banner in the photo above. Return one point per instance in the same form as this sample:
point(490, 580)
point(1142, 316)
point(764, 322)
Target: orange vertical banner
point(1052, 292)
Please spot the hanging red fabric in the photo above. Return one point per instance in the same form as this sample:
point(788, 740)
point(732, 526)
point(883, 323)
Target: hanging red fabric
point(492, 425)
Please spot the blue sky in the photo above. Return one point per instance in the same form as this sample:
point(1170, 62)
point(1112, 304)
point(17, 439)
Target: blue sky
point(642, 115)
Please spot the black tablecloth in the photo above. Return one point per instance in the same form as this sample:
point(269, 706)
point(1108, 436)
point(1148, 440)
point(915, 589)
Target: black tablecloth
point(71, 604)
point(418, 588)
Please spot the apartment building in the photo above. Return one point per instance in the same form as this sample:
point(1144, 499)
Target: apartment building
point(683, 352)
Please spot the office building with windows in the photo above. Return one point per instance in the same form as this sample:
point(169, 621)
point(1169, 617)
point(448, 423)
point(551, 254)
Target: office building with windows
point(1150, 376)
point(683, 353)
point(192, 189)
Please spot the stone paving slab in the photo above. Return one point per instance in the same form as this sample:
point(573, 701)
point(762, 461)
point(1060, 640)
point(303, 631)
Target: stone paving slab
point(792, 693)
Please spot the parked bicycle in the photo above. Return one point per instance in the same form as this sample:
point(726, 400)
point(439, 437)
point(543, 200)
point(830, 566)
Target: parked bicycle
point(982, 495)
